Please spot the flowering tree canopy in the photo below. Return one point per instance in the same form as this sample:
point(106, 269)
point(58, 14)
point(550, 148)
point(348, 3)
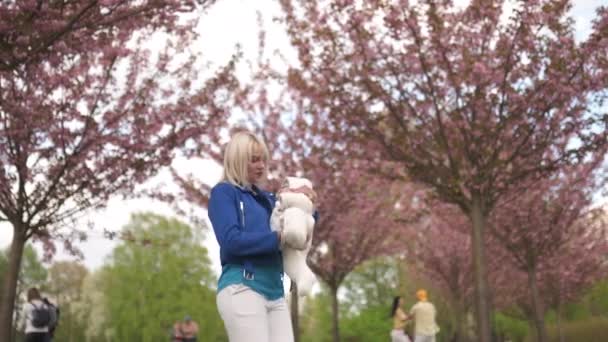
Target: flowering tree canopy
point(468, 99)
point(92, 103)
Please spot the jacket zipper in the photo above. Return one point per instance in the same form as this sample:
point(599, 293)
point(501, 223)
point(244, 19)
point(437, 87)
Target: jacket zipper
point(242, 214)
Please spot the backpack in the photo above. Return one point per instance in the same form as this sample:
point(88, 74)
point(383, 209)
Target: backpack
point(41, 317)
point(54, 316)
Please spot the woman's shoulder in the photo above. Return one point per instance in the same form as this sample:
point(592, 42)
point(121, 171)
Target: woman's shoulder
point(29, 306)
point(224, 187)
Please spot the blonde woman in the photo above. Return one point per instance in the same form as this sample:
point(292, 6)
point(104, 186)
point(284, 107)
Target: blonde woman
point(250, 299)
point(424, 314)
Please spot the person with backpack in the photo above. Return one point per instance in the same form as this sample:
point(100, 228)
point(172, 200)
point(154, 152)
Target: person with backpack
point(37, 318)
point(54, 312)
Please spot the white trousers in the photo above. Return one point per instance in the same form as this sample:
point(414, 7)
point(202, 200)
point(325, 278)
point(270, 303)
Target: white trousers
point(398, 335)
point(249, 317)
point(424, 338)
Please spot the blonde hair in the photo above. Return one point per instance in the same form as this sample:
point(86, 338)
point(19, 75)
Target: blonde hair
point(238, 154)
point(422, 295)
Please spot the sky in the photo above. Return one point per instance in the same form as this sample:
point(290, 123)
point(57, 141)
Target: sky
point(227, 23)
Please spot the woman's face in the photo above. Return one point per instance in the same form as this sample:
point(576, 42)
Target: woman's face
point(256, 166)
point(400, 302)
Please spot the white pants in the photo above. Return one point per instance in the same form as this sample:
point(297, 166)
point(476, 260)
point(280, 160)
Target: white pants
point(249, 317)
point(399, 336)
point(424, 338)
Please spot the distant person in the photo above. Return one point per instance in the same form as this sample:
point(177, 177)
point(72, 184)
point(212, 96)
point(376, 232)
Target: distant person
point(424, 315)
point(37, 318)
point(176, 332)
point(189, 329)
point(54, 317)
point(399, 320)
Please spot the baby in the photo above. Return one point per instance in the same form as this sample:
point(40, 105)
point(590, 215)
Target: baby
point(293, 215)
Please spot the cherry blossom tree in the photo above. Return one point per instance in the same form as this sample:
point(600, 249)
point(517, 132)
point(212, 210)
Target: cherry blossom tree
point(361, 217)
point(442, 253)
point(578, 264)
point(38, 31)
point(547, 236)
point(95, 96)
point(468, 100)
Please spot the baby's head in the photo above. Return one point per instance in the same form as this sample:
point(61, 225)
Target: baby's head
point(296, 199)
point(296, 182)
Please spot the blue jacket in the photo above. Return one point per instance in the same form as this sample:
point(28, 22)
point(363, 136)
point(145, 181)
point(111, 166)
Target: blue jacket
point(241, 222)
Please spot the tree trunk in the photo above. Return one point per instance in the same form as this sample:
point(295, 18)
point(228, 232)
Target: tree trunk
point(335, 313)
point(17, 315)
point(559, 319)
point(70, 331)
point(482, 307)
point(537, 309)
point(294, 312)
point(9, 287)
point(460, 321)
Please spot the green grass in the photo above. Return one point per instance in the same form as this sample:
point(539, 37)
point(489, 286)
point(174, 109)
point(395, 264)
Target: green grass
point(589, 330)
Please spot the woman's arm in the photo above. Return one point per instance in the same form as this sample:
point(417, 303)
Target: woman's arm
point(225, 220)
point(402, 315)
point(27, 314)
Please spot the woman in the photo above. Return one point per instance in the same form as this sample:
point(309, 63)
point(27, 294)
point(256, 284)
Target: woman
point(33, 331)
point(399, 321)
point(250, 298)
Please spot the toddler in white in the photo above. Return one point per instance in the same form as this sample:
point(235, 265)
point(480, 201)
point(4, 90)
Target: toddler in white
point(293, 215)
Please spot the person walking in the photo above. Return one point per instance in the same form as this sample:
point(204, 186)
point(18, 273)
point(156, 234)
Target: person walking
point(37, 317)
point(54, 317)
point(189, 329)
point(176, 332)
point(400, 318)
point(424, 315)
point(250, 298)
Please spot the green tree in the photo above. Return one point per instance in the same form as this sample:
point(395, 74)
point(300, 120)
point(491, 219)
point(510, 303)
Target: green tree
point(32, 273)
point(369, 291)
point(159, 274)
point(92, 308)
point(65, 286)
point(373, 283)
point(316, 317)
